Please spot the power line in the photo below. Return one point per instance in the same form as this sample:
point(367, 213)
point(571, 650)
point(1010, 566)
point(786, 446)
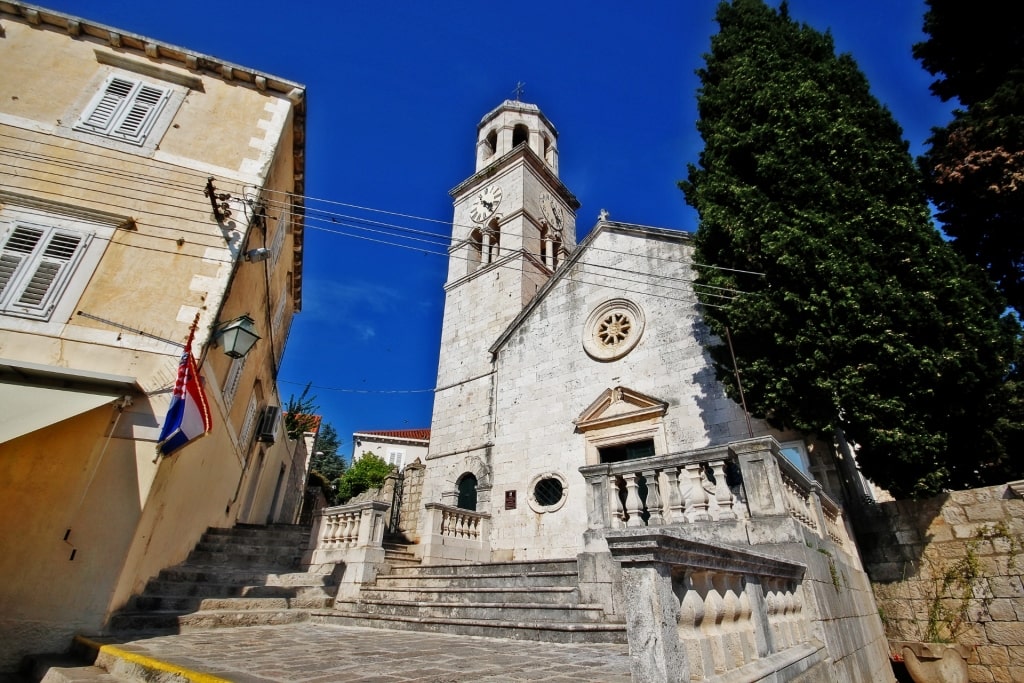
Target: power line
point(307, 199)
point(430, 238)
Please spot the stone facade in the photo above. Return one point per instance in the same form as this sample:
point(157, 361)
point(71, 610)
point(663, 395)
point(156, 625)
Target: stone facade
point(908, 547)
point(110, 251)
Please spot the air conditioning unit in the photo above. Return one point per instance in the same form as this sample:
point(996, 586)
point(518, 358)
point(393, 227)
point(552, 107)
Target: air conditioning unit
point(270, 420)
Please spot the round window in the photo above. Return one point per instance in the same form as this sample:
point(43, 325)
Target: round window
point(547, 492)
point(613, 329)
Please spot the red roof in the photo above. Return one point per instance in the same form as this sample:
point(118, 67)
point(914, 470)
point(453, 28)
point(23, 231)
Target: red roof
point(416, 434)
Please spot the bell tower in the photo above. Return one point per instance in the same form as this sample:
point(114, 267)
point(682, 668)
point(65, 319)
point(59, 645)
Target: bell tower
point(514, 224)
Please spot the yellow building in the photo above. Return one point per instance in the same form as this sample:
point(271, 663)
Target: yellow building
point(110, 247)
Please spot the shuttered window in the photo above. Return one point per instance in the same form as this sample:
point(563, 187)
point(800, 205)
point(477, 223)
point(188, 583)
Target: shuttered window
point(36, 264)
point(124, 109)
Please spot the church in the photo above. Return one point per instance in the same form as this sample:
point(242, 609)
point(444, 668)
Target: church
point(587, 478)
point(556, 356)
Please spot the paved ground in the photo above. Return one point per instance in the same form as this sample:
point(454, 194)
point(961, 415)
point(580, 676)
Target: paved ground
point(312, 653)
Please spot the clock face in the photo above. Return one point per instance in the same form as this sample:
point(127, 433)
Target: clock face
point(485, 204)
point(552, 212)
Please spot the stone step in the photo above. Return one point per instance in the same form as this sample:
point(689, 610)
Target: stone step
point(229, 590)
point(251, 600)
point(176, 622)
point(552, 595)
point(255, 530)
point(276, 558)
point(555, 632)
point(497, 581)
point(248, 547)
point(506, 612)
point(502, 568)
point(236, 576)
point(62, 668)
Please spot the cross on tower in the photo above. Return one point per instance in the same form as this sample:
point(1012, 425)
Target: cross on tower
point(520, 86)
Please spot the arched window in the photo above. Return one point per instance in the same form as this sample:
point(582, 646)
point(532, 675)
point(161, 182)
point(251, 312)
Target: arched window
point(491, 143)
point(493, 242)
point(547, 150)
point(467, 491)
point(520, 134)
point(476, 244)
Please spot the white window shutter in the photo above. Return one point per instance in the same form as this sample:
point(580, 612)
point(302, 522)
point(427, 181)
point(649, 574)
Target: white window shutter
point(141, 113)
point(35, 266)
point(125, 109)
point(105, 108)
point(16, 250)
point(54, 263)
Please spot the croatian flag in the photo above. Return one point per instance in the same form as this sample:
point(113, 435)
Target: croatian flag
point(188, 418)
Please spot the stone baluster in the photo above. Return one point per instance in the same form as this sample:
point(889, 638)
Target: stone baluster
point(691, 617)
point(615, 503)
point(634, 506)
point(745, 625)
point(327, 533)
point(771, 602)
point(655, 516)
point(338, 530)
point(723, 496)
point(697, 497)
point(731, 644)
point(351, 529)
point(785, 610)
point(676, 504)
point(714, 612)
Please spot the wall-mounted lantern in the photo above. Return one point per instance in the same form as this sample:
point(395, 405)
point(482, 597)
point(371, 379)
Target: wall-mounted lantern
point(237, 336)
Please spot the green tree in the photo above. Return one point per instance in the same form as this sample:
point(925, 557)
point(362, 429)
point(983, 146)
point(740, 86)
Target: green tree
point(300, 414)
point(326, 466)
point(368, 472)
point(860, 319)
point(974, 167)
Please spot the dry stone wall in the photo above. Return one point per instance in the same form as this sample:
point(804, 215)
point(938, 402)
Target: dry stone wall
point(951, 567)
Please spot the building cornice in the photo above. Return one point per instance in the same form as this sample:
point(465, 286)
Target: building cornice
point(524, 153)
point(132, 44)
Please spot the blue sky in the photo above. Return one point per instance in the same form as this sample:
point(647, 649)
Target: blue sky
point(395, 90)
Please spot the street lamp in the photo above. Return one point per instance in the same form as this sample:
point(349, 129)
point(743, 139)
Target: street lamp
point(238, 336)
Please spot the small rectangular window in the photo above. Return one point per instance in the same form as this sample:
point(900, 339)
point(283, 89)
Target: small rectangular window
point(283, 224)
point(36, 264)
point(396, 458)
point(124, 109)
point(245, 436)
point(233, 378)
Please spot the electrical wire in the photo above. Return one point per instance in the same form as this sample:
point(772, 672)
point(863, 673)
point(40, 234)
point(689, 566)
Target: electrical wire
point(306, 199)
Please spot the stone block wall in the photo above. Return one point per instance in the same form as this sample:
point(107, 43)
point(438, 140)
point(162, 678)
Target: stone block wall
point(922, 556)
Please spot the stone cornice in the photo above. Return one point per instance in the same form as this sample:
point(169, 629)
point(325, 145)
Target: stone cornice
point(133, 44)
point(536, 164)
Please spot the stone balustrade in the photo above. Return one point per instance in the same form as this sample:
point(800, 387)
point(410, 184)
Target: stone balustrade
point(351, 536)
point(455, 535)
point(709, 610)
point(740, 481)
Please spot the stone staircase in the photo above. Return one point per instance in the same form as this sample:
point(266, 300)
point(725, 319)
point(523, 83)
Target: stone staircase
point(519, 600)
point(244, 576)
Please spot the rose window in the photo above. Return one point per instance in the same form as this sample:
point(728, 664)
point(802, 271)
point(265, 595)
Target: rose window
point(613, 330)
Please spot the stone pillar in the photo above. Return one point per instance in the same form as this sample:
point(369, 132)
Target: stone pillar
point(761, 478)
point(652, 613)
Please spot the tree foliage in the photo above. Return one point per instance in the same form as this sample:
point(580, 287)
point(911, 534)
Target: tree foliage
point(974, 167)
point(300, 414)
point(862, 319)
point(368, 472)
point(326, 465)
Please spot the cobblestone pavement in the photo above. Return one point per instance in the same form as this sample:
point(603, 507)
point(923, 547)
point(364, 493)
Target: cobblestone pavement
point(327, 654)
